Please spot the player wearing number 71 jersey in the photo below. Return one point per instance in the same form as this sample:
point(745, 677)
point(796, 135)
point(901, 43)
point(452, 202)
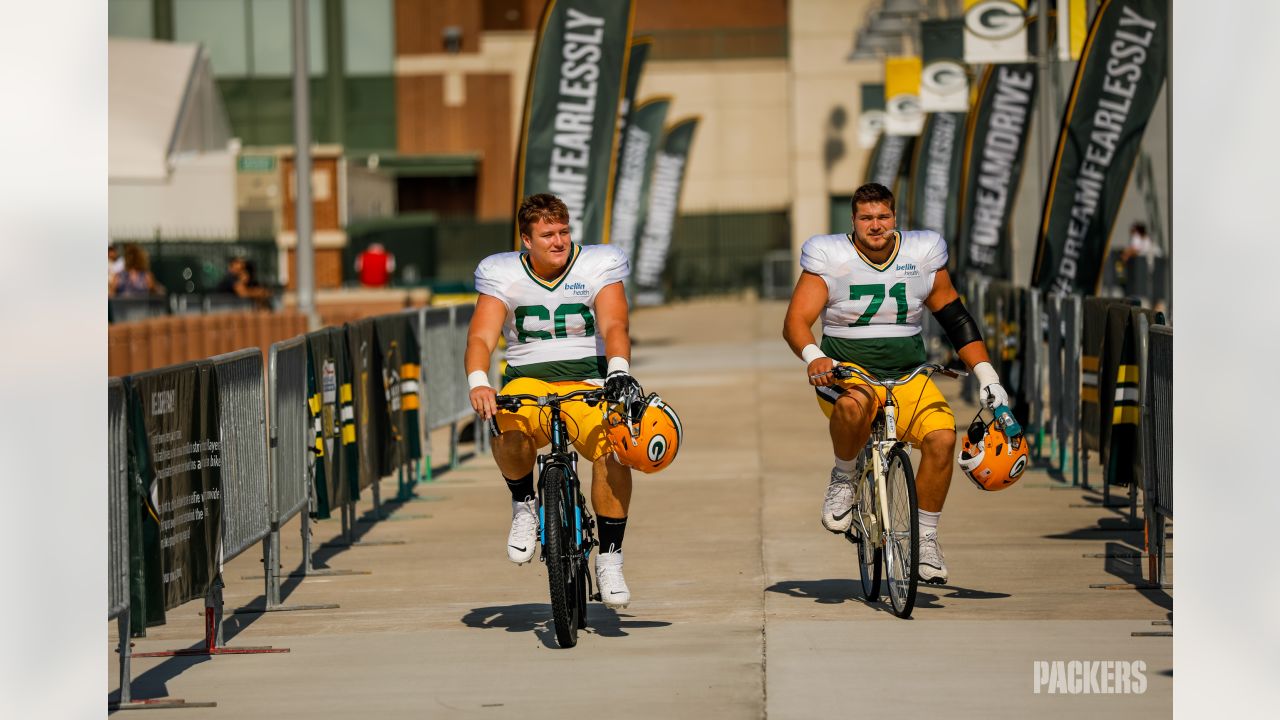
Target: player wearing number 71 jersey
point(871, 288)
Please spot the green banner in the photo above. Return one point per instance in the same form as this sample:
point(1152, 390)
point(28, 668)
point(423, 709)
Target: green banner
point(1117, 81)
point(660, 217)
point(329, 386)
point(996, 139)
point(888, 159)
point(635, 66)
point(401, 375)
point(935, 175)
point(567, 142)
point(370, 400)
point(629, 204)
point(178, 453)
point(944, 82)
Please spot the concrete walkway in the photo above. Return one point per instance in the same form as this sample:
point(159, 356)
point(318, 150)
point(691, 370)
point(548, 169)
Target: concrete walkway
point(744, 606)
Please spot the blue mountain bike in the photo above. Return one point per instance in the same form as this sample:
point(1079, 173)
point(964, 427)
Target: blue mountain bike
point(566, 526)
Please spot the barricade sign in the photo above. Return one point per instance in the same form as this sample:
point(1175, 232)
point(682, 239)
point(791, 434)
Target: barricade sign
point(1094, 336)
point(242, 416)
point(178, 495)
point(370, 400)
point(331, 400)
point(400, 376)
point(1160, 404)
point(1119, 394)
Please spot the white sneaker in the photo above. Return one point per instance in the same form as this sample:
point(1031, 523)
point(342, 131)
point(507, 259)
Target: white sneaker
point(837, 508)
point(932, 568)
point(613, 587)
point(524, 531)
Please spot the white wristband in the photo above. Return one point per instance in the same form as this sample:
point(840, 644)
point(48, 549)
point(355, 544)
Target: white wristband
point(479, 378)
point(986, 374)
point(810, 353)
point(618, 364)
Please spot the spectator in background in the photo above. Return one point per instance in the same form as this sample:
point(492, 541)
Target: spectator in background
point(136, 280)
point(115, 266)
point(375, 265)
point(1140, 244)
point(241, 280)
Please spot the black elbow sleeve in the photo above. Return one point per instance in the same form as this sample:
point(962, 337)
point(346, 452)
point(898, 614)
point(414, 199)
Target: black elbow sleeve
point(960, 326)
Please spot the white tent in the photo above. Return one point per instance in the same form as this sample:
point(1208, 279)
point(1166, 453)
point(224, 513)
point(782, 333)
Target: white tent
point(170, 155)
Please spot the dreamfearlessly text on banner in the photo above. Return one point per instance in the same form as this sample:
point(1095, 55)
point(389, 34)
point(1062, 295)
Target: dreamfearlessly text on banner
point(660, 219)
point(634, 173)
point(995, 31)
point(1117, 82)
point(935, 179)
point(567, 141)
point(635, 66)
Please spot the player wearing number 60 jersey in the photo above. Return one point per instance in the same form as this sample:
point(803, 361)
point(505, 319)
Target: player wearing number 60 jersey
point(563, 312)
point(871, 288)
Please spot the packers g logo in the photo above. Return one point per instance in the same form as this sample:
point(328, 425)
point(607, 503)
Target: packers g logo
point(944, 77)
point(994, 19)
point(1018, 466)
point(657, 448)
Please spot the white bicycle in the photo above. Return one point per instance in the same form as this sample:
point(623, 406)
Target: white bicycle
point(885, 525)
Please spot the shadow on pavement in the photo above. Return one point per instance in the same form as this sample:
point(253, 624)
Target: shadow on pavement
point(153, 683)
point(927, 600)
point(536, 618)
point(826, 592)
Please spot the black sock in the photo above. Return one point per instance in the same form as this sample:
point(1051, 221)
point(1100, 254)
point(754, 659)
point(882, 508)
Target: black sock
point(521, 489)
point(611, 532)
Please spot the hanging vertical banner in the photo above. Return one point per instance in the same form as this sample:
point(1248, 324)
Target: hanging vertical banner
point(1115, 89)
point(643, 133)
point(935, 177)
point(635, 65)
point(995, 31)
point(401, 373)
point(370, 404)
point(903, 115)
point(1073, 20)
point(660, 217)
point(871, 119)
point(887, 159)
point(996, 139)
point(944, 83)
point(568, 139)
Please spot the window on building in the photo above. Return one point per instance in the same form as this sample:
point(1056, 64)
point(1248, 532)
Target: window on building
point(250, 38)
point(370, 36)
point(129, 18)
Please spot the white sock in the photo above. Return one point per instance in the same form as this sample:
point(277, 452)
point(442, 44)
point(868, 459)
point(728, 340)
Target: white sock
point(928, 521)
point(846, 466)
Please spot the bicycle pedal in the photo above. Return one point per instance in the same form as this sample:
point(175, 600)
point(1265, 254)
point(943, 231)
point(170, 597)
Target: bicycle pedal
point(596, 597)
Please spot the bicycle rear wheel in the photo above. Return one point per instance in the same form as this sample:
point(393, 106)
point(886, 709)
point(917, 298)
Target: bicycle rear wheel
point(901, 548)
point(563, 573)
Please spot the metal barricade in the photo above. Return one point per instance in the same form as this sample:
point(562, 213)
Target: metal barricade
point(1053, 334)
point(117, 500)
point(290, 429)
point(1072, 353)
point(242, 424)
point(442, 365)
point(1158, 444)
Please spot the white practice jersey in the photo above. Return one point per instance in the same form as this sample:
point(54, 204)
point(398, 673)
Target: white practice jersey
point(551, 328)
point(875, 301)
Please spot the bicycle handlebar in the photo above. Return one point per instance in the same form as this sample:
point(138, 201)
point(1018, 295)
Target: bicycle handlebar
point(846, 372)
point(513, 401)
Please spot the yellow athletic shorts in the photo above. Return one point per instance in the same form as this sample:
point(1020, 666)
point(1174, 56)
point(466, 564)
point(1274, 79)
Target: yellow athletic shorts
point(584, 423)
point(921, 406)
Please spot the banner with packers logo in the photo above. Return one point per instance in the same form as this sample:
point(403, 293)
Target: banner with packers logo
point(567, 140)
point(1117, 81)
point(660, 216)
point(902, 96)
point(871, 119)
point(629, 203)
point(935, 175)
point(332, 403)
point(177, 458)
point(401, 373)
point(944, 82)
point(995, 31)
point(635, 65)
point(995, 141)
point(1073, 25)
point(370, 399)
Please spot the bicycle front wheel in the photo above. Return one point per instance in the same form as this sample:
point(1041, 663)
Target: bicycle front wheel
point(869, 556)
point(563, 573)
point(901, 548)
